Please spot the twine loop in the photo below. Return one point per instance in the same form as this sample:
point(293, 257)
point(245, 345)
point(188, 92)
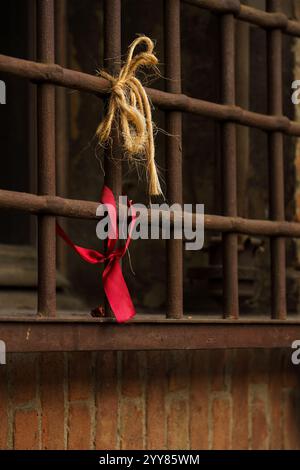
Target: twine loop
point(129, 108)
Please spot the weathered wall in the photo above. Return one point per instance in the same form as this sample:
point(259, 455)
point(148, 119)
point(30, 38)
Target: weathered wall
point(136, 400)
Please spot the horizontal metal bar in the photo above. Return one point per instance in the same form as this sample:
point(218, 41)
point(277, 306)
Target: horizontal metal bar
point(217, 6)
point(53, 73)
point(78, 209)
point(31, 335)
point(251, 15)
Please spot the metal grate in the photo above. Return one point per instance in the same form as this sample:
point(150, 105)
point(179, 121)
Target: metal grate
point(174, 330)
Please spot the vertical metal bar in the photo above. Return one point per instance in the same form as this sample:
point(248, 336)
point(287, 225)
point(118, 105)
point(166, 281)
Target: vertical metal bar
point(61, 127)
point(112, 58)
point(46, 162)
point(242, 99)
point(276, 168)
point(229, 180)
point(173, 156)
point(32, 117)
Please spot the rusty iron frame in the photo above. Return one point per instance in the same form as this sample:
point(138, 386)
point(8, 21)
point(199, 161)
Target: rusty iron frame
point(84, 334)
point(51, 330)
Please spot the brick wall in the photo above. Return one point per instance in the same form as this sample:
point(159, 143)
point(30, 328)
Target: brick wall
point(177, 400)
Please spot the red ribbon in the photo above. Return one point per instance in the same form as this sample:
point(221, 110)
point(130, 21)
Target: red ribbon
point(113, 281)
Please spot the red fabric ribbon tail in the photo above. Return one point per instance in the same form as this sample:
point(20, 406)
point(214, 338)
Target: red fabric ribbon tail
point(117, 292)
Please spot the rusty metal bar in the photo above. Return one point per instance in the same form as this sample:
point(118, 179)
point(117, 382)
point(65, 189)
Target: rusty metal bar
point(54, 74)
point(217, 6)
point(32, 114)
point(46, 162)
point(61, 144)
point(78, 209)
point(173, 156)
point(61, 123)
point(229, 176)
point(84, 334)
point(242, 74)
point(263, 19)
point(293, 28)
point(276, 168)
point(112, 58)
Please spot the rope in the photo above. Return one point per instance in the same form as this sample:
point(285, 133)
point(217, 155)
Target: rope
point(130, 109)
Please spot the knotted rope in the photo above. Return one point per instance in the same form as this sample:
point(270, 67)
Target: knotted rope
point(129, 108)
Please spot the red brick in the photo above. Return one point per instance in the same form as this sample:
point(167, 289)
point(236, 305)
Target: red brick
point(260, 435)
point(199, 399)
point(3, 408)
point(275, 399)
point(221, 424)
point(26, 430)
point(259, 369)
point(291, 420)
point(155, 400)
point(172, 414)
point(177, 424)
point(132, 381)
point(291, 372)
point(80, 427)
point(178, 370)
point(106, 400)
point(80, 376)
point(52, 400)
point(218, 370)
point(240, 407)
point(132, 428)
point(23, 378)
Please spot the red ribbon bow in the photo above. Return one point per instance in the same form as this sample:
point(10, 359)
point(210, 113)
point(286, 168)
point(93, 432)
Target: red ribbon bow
point(113, 281)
